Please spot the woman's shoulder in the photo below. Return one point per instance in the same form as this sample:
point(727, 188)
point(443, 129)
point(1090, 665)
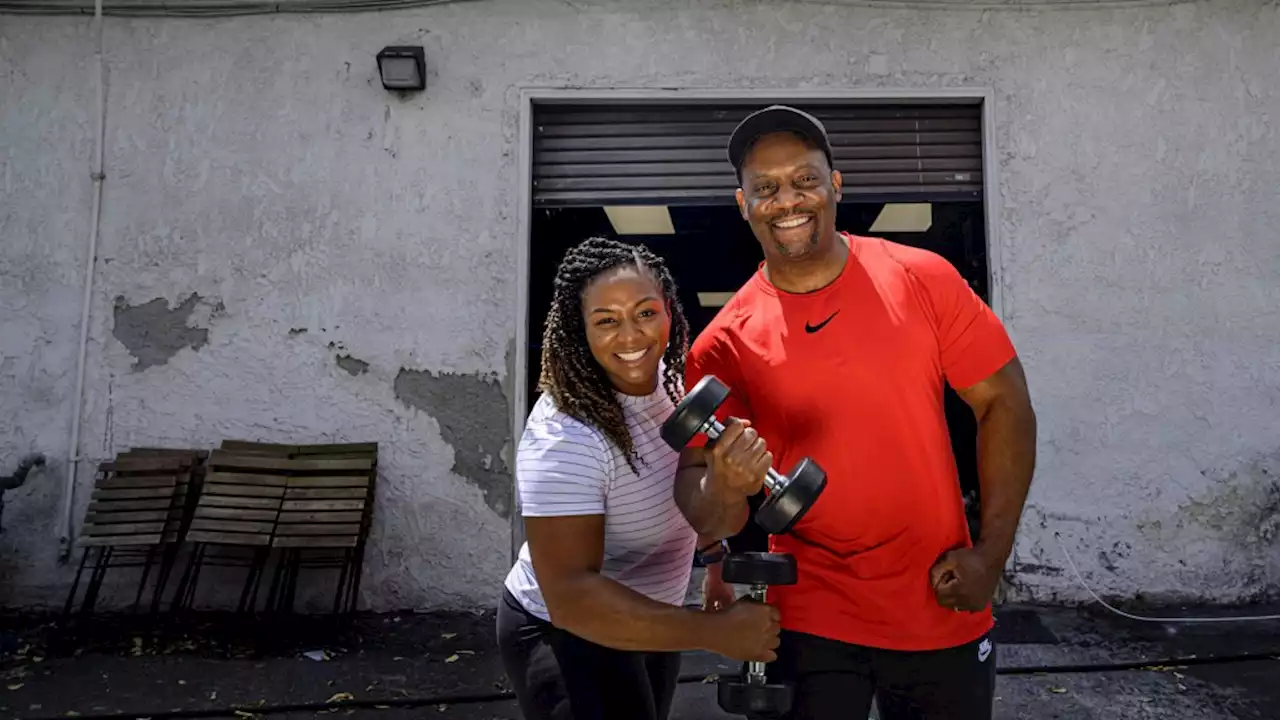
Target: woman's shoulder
point(551, 427)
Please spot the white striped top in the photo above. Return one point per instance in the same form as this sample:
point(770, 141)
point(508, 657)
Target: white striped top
point(565, 467)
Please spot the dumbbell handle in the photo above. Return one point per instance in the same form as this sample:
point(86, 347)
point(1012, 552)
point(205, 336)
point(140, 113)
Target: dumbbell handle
point(755, 668)
point(714, 430)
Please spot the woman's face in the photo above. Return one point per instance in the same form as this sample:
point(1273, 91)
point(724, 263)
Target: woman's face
point(627, 327)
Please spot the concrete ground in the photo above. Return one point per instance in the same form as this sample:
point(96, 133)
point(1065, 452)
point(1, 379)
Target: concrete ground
point(1054, 663)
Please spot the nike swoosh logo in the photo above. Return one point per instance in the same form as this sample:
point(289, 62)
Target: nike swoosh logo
point(815, 328)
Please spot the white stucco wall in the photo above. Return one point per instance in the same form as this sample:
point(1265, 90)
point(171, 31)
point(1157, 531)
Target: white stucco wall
point(257, 171)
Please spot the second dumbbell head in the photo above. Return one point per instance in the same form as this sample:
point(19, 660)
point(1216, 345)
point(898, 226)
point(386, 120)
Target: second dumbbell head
point(788, 503)
point(759, 568)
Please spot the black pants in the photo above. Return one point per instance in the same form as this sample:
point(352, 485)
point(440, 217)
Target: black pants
point(559, 676)
point(836, 681)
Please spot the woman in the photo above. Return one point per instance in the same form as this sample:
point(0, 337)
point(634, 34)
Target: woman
point(591, 621)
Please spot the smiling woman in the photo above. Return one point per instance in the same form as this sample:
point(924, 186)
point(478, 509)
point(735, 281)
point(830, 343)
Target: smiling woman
point(591, 622)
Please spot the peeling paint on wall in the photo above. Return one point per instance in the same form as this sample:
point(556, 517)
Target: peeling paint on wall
point(354, 366)
point(153, 333)
point(473, 417)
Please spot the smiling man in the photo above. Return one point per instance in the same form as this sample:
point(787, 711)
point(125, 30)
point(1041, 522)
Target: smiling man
point(839, 348)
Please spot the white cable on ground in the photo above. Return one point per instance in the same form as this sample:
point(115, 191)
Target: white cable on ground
point(1131, 616)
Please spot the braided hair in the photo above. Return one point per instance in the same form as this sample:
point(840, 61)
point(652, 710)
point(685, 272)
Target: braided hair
point(570, 373)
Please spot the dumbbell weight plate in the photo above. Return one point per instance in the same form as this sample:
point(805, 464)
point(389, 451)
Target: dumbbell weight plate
point(693, 410)
point(782, 510)
point(764, 568)
point(758, 701)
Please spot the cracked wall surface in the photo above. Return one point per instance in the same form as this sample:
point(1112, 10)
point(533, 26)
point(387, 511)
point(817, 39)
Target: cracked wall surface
point(348, 256)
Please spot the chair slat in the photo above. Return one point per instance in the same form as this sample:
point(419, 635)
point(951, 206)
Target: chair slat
point(297, 493)
point(244, 490)
point(120, 482)
point(247, 478)
point(132, 493)
point(315, 541)
point(317, 481)
point(229, 538)
point(235, 513)
point(321, 505)
point(318, 517)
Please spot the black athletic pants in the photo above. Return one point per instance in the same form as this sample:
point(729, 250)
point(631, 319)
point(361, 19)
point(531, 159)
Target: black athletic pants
point(559, 676)
point(836, 681)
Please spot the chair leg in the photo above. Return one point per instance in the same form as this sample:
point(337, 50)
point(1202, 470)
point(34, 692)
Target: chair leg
point(167, 561)
point(250, 590)
point(75, 585)
point(146, 573)
point(343, 578)
point(280, 579)
point(358, 571)
point(185, 595)
point(291, 582)
point(96, 578)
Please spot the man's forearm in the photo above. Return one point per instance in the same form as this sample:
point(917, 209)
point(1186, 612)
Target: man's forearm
point(713, 513)
point(1006, 463)
point(608, 613)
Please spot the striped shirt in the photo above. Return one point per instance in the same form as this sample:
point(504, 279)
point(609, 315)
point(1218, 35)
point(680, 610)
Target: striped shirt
point(564, 467)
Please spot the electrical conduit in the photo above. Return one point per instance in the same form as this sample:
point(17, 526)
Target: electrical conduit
point(65, 522)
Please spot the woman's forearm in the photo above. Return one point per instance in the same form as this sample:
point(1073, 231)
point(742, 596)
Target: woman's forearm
point(608, 613)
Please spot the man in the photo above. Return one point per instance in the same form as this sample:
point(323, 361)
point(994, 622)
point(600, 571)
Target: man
point(838, 348)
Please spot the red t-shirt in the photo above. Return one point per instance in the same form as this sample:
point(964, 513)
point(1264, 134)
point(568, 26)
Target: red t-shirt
point(852, 375)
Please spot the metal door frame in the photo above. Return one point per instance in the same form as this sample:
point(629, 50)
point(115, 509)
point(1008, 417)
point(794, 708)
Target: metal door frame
point(532, 96)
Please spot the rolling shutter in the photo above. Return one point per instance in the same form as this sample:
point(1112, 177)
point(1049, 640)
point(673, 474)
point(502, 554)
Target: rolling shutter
point(587, 155)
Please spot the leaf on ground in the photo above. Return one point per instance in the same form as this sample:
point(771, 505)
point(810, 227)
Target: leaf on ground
point(452, 658)
point(16, 686)
point(448, 636)
point(341, 697)
point(1056, 689)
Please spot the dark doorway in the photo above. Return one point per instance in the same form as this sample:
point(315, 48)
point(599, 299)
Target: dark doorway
point(713, 251)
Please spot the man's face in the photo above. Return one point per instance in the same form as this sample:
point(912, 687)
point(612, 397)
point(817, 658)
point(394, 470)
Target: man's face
point(788, 196)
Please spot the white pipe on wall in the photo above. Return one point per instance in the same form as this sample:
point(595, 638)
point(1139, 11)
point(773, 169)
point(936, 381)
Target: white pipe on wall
point(66, 521)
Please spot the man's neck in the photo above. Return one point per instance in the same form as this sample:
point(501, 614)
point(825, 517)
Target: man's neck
point(811, 274)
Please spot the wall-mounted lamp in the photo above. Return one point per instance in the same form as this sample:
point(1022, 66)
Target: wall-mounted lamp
point(403, 67)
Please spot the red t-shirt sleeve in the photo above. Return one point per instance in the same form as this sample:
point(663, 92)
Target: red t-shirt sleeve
point(972, 341)
point(713, 354)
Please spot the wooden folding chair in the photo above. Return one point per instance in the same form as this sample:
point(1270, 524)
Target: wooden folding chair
point(236, 511)
point(324, 520)
point(134, 515)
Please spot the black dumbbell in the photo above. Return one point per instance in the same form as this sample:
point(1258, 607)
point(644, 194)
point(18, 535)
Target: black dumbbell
point(752, 694)
point(790, 496)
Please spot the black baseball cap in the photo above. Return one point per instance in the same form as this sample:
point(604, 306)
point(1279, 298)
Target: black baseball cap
point(773, 119)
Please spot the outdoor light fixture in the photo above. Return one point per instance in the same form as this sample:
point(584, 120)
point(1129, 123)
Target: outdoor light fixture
point(640, 219)
point(714, 299)
point(403, 67)
point(903, 217)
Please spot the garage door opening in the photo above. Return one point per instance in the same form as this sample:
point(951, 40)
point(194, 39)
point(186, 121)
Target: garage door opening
point(657, 175)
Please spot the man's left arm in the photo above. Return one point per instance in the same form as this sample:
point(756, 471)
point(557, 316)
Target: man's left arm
point(981, 364)
point(1006, 456)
